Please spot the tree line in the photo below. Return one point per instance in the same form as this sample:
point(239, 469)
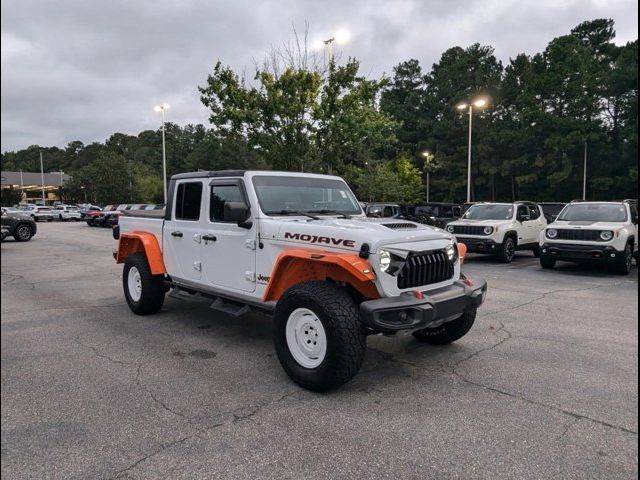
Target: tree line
point(299, 113)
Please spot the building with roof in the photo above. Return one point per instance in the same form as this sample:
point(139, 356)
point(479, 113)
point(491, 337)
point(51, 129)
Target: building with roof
point(31, 185)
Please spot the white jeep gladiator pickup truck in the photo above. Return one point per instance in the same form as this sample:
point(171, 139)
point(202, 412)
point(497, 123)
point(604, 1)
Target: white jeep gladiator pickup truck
point(500, 228)
point(602, 232)
point(299, 247)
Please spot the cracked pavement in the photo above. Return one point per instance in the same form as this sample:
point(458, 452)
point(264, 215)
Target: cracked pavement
point(544, 386)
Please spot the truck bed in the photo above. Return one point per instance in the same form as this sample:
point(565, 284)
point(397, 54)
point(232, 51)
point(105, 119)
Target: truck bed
point(150, 221)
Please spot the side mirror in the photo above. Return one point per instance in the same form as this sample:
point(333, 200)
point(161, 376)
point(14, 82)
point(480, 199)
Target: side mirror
point(237, 212)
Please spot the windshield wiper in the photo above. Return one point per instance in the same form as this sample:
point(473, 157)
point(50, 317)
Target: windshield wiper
point(294, 212)
point(325, 211)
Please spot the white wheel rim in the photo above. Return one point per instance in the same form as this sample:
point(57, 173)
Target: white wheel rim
point(306, 338)
point(134, 282)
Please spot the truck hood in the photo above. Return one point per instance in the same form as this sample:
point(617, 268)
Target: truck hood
point(350, 234)
point(585, 224)
point(481, 223)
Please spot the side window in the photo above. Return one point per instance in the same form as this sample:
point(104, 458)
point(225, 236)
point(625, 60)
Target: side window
point(457, 212)
point(188, 199)
point(221, 194)
point(387, 212)
point(522, 211)
point(534, 212)
point(634, 214)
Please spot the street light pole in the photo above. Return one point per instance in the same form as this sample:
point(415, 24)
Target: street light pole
point(42, 178)
point(480, 102)
point(427, 155)
point(584, 178)
point(161, 109)
point(469, 157)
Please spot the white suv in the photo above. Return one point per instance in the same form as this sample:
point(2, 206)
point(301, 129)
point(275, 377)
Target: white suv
point(593, 232)
point(66, 212)
point(500, 228)
point(38, 212)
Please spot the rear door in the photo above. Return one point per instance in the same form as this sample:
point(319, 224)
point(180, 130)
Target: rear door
point(181, 235)
point(228, 250)
point(634, 224)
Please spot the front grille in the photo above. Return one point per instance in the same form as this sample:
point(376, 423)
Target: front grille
point(468, 230)
point(425, 268)
point(397, 226)
point(580, 235)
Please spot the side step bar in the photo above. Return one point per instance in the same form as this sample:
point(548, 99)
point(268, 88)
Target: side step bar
point(229, 307)
point(227, 304)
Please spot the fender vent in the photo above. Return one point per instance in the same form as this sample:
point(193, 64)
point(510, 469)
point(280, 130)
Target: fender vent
point(399, 226)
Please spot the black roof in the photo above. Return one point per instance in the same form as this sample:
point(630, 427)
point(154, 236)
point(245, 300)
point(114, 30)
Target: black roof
point(209, 173)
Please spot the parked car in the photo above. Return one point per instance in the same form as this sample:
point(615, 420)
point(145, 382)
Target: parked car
point(95, 218)
point(500, 228)
point(66, 212)
point(436, 214)
point(88, 208)
point(39, 212)
point(329, 276)
point(603, 232)
point(383, 210)
point(551, 210)
point(18, 224)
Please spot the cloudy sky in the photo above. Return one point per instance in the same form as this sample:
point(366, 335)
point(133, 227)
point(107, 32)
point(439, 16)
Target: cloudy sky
point(83, 69)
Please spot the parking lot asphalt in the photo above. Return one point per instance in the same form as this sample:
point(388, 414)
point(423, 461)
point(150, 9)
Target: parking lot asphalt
point(544, 386)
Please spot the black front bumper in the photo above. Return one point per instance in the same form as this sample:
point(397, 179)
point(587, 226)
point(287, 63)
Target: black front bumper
point(580, 253)
point(408, 312)
point(479, 245)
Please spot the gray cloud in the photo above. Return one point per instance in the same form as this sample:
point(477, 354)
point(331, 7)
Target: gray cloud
point(82, 70)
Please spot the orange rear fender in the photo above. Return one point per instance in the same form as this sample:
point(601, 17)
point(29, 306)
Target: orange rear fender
point(300, 265)
point(133, 242)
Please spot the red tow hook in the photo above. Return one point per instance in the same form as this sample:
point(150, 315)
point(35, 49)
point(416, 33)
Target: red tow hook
point(418, 294)
point(468, 282)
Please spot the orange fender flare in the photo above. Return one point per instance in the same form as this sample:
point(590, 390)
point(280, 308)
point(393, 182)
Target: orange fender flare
point(462, 252)
point(141, 242)
point(297, 266)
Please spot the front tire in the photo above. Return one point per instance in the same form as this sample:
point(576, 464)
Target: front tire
point(318, 336)
point(547, 263)
point(623, 264)
point(23, 232)
point(507, 250)
point(448, 332)
point(143, 291)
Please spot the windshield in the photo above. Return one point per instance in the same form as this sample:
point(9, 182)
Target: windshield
point(594, 212)
point(304, 194)
point(489, 212)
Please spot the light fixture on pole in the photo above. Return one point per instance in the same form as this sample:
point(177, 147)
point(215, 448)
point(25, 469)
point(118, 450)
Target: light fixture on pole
point(427, 156)
point(478, 103)
point(161, 109)
point(341, 37)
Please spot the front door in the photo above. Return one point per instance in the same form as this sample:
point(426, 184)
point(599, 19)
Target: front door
point(228, 250)
point(181, 237)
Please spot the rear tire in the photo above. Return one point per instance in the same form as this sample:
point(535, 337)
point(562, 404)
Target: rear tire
point(324, 313)
point(448, 332)
point(143, 291)
point(507, 250)
point(23, 232)
point(547, 263)
point(624, 262)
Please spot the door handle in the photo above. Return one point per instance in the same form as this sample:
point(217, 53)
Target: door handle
point(209, 238)
point(176, 234)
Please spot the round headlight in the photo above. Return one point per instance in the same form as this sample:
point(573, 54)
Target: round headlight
point(452, 252)
point(385, 260)
point(552, 233)
point(488, 230)
point(606, 235)
point(451, 228)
